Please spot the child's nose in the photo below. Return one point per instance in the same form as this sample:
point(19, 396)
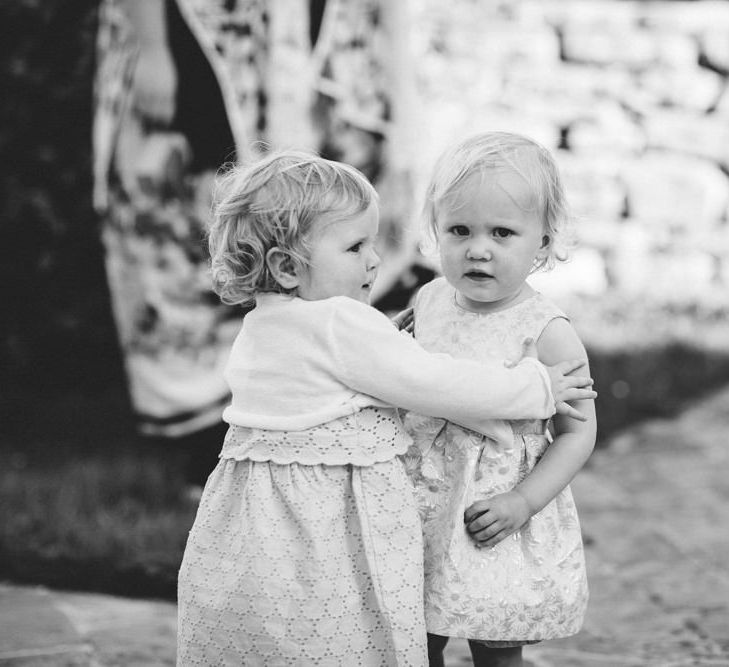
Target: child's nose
point(373, 260)
point(479, 249)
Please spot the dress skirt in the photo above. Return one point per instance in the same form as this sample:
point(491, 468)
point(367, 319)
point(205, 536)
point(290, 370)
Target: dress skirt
point(293, 564)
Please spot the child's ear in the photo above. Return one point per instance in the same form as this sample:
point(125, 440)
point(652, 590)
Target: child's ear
point(546, 240)
point(283, 268)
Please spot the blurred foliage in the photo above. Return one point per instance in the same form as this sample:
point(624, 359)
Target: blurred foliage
point(88, 505)
point(113, 522)
point(649, 358)
point(56, 331)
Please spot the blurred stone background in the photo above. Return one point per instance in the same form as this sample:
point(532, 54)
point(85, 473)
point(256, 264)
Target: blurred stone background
point(631, 95)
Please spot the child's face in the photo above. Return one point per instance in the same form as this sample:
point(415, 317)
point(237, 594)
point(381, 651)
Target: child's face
point(343, 261)
point(489, 235)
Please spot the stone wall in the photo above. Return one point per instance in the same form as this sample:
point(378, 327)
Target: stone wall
point(632, 97)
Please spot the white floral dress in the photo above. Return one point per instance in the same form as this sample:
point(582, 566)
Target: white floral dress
point(306, 550)
point(531, 586)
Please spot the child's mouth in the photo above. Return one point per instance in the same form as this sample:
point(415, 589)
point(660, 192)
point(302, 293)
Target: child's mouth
point(478, 275)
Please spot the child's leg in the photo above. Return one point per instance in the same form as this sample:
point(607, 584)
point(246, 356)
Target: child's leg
point(436, 645)
point(483, 656)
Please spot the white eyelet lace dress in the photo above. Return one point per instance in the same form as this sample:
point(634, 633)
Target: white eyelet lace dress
point(531, 586)
point(306, 550)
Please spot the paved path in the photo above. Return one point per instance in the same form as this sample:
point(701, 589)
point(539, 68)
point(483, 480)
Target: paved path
point(655, 514)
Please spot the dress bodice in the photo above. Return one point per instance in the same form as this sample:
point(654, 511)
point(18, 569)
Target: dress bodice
point(441, 325)
point(444, 326)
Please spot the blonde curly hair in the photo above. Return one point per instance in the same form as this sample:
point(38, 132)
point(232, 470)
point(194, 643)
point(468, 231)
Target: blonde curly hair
point(276, 201)
point(497, 150)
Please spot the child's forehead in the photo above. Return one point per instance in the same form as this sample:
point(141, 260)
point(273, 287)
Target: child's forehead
point(485, 181)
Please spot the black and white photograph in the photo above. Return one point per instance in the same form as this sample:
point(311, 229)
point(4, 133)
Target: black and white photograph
point(364, 333)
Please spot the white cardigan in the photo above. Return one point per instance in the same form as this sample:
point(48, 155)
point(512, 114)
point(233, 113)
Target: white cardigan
point(296, 364)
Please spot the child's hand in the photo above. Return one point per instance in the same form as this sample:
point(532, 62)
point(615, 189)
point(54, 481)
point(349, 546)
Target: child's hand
point(490, 521)
point(405, 320)
point(566, 387)
point(528, 349)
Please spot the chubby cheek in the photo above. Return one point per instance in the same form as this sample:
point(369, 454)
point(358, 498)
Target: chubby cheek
point(449, 257)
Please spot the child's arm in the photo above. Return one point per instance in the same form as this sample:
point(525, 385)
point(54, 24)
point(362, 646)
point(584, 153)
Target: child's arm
point(490, 521)
point(373, 358)
point(405, 321)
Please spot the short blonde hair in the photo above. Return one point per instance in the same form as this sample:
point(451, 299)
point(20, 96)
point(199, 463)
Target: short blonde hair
point(276, 202)
point(534, 163)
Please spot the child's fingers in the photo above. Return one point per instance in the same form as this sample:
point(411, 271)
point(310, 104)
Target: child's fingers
point(405, 319)
point(567, 367)
point(475, 510)
point(493, 540)
point(578, 381)
point(576, 394)
point(487, 533)
point(528, 349)
point(482, 522)
point(568, 411)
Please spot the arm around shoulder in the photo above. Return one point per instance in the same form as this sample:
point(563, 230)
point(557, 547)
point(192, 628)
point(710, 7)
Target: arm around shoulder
point(373, 358)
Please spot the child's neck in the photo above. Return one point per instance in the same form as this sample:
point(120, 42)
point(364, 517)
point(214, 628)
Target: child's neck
point(487, 307)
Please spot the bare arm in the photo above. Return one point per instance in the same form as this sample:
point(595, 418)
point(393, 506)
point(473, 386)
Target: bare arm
point(490, 521)
point(574, 440)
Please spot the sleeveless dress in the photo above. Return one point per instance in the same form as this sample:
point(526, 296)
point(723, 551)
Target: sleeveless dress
point(306, 550)
point(532, 585)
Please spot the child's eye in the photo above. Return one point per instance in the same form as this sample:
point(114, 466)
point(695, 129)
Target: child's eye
point(356, 247)
point(503, 233)
point(459, 230)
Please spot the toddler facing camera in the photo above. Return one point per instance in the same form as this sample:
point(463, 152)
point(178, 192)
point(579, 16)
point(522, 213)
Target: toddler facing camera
point(504, 563)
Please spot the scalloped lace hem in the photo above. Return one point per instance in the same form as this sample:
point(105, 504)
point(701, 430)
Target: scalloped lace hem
point(371, 436)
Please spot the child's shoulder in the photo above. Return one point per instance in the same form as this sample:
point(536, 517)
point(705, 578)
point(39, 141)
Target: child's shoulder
point(433, 290)
point(544, 308)
point(346, 309)
point(436, 286)
point(558, 339)
point(532, 317)
point(317, 312)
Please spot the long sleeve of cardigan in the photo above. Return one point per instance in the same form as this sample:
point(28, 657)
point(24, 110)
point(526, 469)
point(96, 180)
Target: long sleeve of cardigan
point(373, 358)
